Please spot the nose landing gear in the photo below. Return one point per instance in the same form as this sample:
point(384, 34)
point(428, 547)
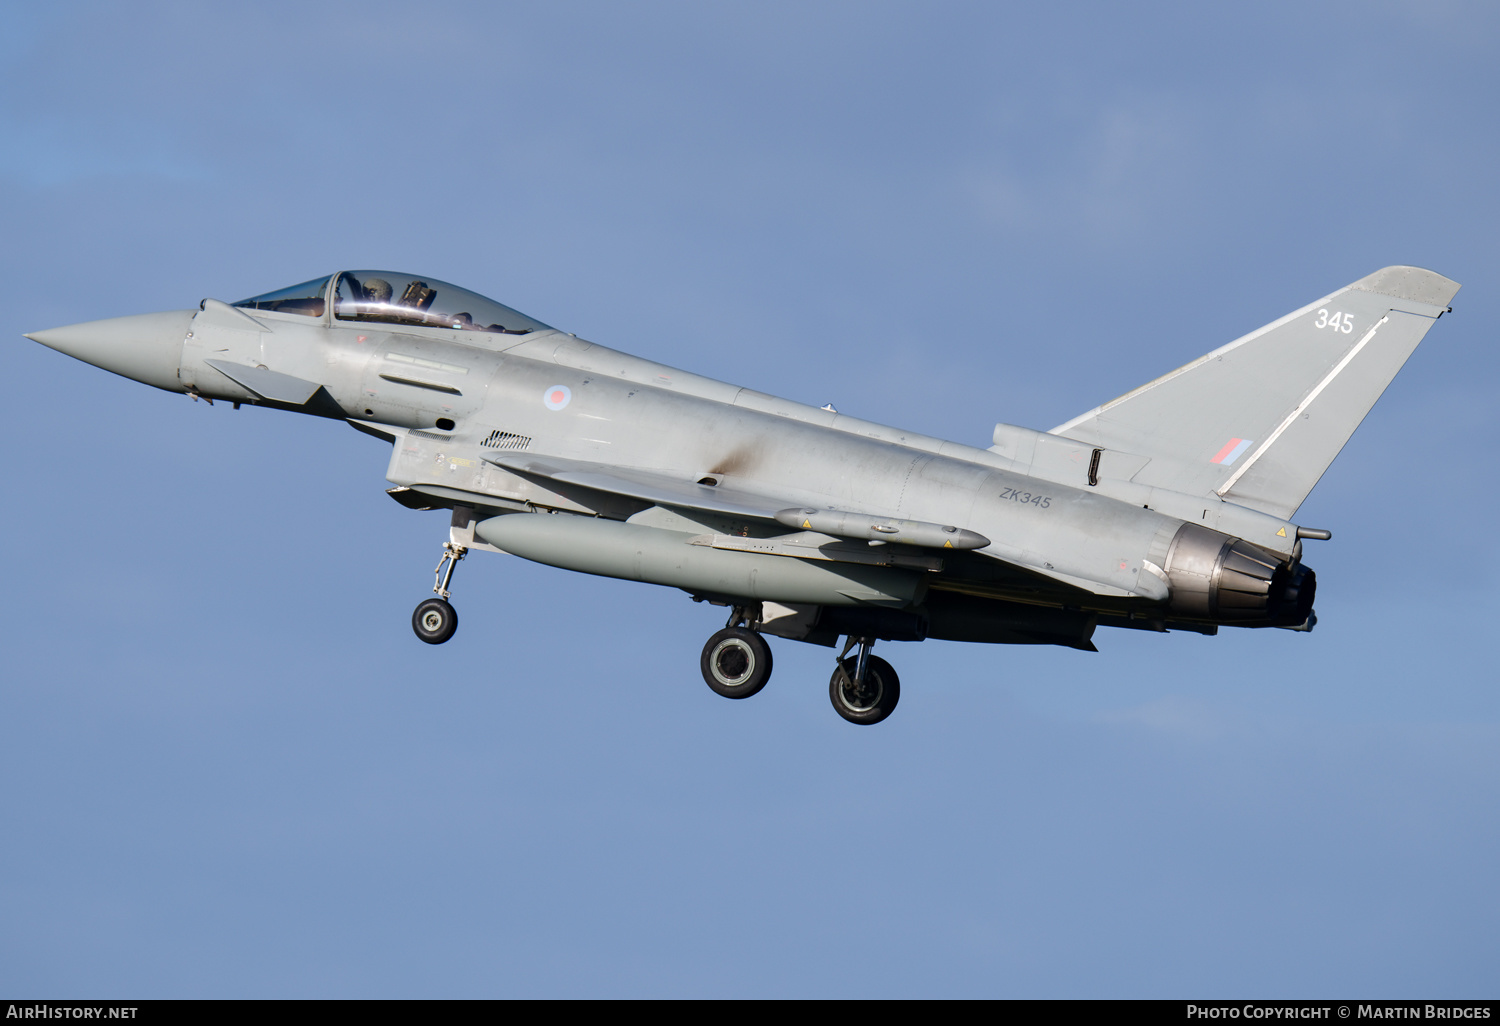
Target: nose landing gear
point(434, 620)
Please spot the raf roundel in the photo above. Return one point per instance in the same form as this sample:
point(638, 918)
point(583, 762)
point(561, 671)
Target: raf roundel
point(557, 396)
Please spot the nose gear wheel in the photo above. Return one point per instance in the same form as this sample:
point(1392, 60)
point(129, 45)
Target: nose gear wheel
point(434, 621)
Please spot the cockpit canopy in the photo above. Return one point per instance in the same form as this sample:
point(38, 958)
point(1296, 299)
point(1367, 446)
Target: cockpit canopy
point(391, 297)
point(305, 299)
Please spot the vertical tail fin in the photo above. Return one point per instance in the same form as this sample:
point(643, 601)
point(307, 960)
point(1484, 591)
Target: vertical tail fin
point(1258, 421)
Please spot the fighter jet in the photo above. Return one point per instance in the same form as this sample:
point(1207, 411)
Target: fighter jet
point(1170, 508)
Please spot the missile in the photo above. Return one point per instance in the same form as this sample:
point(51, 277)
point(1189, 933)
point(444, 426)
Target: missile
point(881, 529)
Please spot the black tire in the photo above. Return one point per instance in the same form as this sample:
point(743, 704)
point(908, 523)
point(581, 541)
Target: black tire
point(872, 703)
point(736, 662)
point(434, 621)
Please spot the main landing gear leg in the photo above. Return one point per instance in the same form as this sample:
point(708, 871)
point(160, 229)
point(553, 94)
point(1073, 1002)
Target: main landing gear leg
point(736, 661)
point(864, 689)
point(435, 620)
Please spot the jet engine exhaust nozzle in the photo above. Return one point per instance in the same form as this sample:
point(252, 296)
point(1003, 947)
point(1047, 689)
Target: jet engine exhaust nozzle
point(1226, 580)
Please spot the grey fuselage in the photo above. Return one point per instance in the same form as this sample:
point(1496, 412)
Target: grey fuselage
point(1072, 542)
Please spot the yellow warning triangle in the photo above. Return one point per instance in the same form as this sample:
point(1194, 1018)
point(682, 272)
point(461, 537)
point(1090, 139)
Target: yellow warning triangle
point(947, 545)
point(807, 524)
point(1281, 533)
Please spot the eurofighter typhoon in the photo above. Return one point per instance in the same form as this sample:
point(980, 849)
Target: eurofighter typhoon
point(1169, 508)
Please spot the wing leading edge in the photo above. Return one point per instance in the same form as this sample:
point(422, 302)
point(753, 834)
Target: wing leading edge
point(648, 486)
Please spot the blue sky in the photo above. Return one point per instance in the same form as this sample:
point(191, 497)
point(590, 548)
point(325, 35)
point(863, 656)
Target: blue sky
point(229, 769)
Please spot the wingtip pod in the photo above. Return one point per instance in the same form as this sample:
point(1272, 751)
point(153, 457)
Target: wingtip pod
point(1414, 284)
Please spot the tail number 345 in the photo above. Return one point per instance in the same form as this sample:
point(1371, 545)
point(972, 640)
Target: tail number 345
point(1337, 321)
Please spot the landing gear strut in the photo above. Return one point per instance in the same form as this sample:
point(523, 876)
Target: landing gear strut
point(435, 620)
point(864, 689)
point(736, 661)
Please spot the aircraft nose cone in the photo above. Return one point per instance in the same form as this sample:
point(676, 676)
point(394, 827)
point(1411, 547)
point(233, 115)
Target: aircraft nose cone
point(146, 348)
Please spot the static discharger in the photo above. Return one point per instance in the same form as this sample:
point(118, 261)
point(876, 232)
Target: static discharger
point(881, 529)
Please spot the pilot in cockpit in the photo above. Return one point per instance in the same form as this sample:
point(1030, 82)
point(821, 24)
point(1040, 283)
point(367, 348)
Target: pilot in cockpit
point(378, 291)
point(423, 302)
